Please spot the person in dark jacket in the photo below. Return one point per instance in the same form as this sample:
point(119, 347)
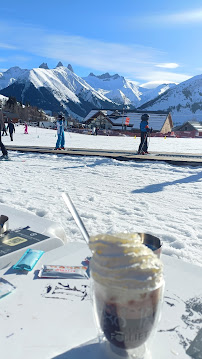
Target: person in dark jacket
point(3, 149)
point(144, 128)
point(11, 129)
point(4, 130)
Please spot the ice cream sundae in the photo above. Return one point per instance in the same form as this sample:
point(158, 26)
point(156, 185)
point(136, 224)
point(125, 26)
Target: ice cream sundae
point(128, 288)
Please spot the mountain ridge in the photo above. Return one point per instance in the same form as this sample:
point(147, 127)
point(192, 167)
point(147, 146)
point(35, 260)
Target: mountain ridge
point(123, 91)
point(61, 90)
point(183, 101)
point(68, 92)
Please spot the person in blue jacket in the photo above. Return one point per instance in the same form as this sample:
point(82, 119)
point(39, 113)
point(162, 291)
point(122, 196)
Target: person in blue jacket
point(60, 144)
point(144, 128)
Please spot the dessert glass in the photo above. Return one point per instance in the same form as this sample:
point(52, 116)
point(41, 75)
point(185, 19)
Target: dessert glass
point(127, 311)
point(126, 318)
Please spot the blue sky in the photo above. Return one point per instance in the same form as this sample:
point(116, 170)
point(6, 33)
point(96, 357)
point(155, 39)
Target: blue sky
point(145, 41)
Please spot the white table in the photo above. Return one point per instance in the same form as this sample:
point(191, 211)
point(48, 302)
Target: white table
point(41, 321)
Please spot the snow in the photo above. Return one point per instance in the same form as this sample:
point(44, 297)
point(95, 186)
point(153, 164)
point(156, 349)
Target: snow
point(114, 87)
point(47, 78)
point(3, 99)
point(183, 101)
point(121, 90)
point(64, 85)
point(10, 76)
point(110, 195)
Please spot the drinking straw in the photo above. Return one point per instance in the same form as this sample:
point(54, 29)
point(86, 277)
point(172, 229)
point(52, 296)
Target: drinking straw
point(76, 216)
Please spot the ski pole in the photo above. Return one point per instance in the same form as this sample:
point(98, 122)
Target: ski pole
point(149, 136)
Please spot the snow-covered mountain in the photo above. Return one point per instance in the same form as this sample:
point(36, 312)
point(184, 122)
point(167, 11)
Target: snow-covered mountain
point(116, 88)
point(184, 101)
point(3, 100)
point(58, 89)
point(8, 77)
point(151, 94)
point(123, 91)
point(61, 90)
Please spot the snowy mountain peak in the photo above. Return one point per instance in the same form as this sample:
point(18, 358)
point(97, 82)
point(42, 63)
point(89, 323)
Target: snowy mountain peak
point(12, 69)
point(184, 101)
point(59, 64)
point(58, 89)
point(116, 88)
point(44, 66)
point(116, 76)
point(70, 68)
point(107, 76)
point(8, 77)
point(104, 76)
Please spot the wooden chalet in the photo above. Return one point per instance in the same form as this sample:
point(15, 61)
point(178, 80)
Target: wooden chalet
point(99, 119)
point(130, 121)
point(189, 129)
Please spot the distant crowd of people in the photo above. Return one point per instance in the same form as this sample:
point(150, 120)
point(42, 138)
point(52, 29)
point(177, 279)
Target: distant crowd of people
point(10, 128)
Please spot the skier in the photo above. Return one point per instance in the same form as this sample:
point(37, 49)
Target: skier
point(11, 129)
point(26, 129)
point(3, 149)
point(61, 135)
point(144, 128)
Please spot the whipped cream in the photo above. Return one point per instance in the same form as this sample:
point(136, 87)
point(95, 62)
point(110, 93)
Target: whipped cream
point(122, 260)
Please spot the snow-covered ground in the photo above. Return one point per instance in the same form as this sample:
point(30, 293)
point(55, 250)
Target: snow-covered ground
point(110, 195)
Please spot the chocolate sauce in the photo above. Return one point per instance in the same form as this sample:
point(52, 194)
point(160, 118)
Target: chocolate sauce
point(125, 333)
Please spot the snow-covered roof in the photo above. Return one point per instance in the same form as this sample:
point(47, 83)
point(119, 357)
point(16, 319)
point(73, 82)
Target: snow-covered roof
point(93, 112)
point(90, 114)
point(156, 120)
point(196, 125)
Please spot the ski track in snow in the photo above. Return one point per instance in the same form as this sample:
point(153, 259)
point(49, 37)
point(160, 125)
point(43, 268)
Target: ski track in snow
point(110, 195)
